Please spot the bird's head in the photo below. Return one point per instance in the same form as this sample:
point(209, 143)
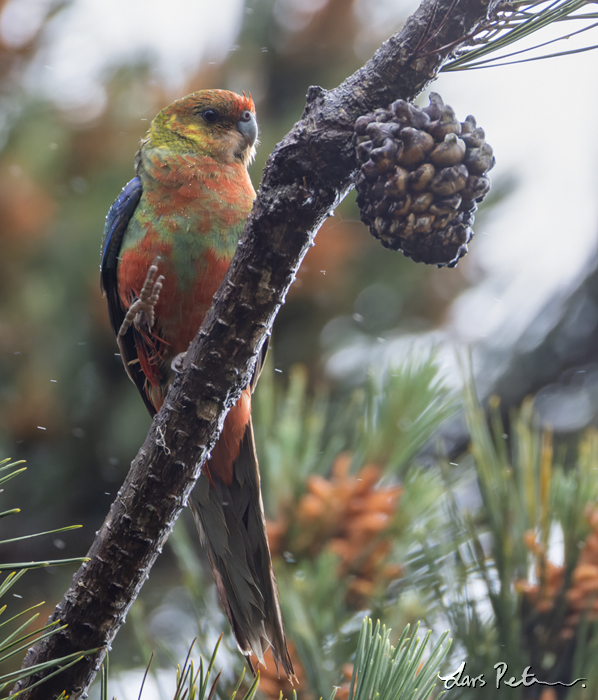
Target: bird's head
point(218, 123)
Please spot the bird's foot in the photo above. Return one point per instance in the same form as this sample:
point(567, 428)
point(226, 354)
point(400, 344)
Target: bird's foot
point(142, 310)
point(177, 365)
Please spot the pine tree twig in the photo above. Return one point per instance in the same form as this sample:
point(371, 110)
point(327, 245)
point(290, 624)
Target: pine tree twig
point(307, 175)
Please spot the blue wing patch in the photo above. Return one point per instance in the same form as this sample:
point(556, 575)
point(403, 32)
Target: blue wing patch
point(117, 221)
point(116, 224)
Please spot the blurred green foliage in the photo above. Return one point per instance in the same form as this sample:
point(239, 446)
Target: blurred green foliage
point(499, 546)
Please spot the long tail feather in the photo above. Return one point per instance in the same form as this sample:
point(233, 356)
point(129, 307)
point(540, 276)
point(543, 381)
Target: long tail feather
point(231, 523)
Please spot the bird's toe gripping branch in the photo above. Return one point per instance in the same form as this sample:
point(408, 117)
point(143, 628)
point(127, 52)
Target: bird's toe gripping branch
point(177, 365)
point(142, 310)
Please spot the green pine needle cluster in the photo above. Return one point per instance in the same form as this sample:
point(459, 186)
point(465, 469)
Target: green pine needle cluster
point(15, 638)
point(517, 20)
point(191, 683)
point(395, 673)
point(381, 671)
point(514, 504)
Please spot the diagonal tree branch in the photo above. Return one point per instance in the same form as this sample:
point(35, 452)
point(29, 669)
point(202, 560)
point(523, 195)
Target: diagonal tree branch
point(307, 175)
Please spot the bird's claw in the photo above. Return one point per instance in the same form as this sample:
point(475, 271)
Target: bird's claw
point(142, 310)
point(177, 364)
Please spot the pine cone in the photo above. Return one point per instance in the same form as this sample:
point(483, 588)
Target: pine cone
point(349, 515)
point(582, 594)
point(422, 174)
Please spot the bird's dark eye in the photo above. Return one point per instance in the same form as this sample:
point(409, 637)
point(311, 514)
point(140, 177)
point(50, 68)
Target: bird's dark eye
point(211, 116)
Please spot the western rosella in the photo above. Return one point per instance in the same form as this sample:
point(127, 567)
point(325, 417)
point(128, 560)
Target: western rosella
point(168, 241)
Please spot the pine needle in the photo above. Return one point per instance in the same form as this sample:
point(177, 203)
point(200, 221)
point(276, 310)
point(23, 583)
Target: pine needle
point(515, 21)
point(385, 672)
point(39, 534)
point(16, 642)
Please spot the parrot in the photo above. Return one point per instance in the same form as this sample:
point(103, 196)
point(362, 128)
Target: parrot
point(168, 240)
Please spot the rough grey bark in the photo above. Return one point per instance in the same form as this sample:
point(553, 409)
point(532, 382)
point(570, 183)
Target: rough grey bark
point(306, 176)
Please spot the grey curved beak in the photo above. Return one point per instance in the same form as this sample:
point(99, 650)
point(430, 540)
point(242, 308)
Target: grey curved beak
point(247, 126)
